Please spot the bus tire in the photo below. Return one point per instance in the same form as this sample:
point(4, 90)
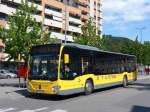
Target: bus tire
point(30, 95)
point(125, 81)
point(88, 89)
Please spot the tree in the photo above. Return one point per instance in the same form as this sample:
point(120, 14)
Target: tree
point(118, 44)
point(23, 32)
point(88, 36)
point(127, 46)
point(134, 48)
point(146, 53)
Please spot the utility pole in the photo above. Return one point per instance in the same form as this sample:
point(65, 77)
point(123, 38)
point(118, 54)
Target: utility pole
point(43, 17)
point(141, 29)
point(96, 20)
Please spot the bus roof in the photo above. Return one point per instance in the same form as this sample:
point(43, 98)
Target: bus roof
point(86, 47)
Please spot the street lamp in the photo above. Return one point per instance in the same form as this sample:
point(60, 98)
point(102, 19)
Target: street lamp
point(141, 29)
point(66, 20)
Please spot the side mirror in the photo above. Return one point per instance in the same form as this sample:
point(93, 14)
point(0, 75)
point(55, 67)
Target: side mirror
point(74, 74)
point(66, 58)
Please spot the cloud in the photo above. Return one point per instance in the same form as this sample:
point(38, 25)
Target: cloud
point(125, 11)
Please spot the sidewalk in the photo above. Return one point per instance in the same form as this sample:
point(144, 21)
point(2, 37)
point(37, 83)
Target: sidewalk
point(13, 82)
point(142, 77)
point(12, 92)
point(9, 88)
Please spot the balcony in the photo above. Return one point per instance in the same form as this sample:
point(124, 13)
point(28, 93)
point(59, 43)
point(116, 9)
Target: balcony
point(101, 28)
point(74, 29)
point(74, 20)
point(73, 10)
point(84, 17)
point(7, 10)
point(37, 18)
point(53, 23)
point(84, 2)
point(55, 3)
point(51, 12)
point(3, 23)
point(16, 1)
point(39, 7)
point(61, 36)
point(84, 9)
point(100, 22)
point(101, 14)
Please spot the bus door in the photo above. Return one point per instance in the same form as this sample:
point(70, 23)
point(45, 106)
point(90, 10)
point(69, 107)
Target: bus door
point(70, 75)
point(70, 81)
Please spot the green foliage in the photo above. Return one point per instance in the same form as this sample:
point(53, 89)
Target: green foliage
point(146, 53)
point(23, 31)
point(88, 36)
point(127, 46)
point(134, 48)
point(113, 43)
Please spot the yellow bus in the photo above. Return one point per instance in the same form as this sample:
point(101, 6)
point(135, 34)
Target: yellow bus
point(64, 69)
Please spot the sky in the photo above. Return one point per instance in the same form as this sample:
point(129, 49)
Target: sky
point(127, 18)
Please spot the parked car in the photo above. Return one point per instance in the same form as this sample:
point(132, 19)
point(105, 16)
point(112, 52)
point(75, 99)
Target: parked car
point(14, 71)
point(7, 74)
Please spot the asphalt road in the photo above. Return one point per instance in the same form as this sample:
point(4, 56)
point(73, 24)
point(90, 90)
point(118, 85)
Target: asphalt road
point(135, 98)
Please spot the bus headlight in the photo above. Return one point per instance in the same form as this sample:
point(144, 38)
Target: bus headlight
point(56, 88)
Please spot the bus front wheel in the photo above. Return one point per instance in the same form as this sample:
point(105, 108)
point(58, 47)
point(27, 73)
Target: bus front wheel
point(88, 89)
point(125, 81)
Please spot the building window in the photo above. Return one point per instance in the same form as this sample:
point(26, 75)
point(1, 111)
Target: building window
point(3, 16)
point(1, 49)
point(88, 7)
point(74, 16)
point(49, 16)
point(52, 8)
point(74, 24)
point(94, 3)
point(35, 1)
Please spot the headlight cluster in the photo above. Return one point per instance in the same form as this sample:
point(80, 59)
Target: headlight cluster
point(56, 88)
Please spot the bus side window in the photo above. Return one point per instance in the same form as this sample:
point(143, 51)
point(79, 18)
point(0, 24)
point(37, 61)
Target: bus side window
point(122, 66)
point(109, 67)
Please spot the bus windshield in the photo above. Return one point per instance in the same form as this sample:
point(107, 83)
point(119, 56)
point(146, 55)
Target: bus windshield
point(43, 67)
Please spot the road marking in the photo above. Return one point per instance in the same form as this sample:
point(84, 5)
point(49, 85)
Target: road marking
point(26, 111)
point(6, 110)
point(40, 109)
point(35, 110)
point(59, 110)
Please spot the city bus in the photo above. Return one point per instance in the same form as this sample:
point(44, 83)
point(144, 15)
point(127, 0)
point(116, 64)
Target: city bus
point(64, 69)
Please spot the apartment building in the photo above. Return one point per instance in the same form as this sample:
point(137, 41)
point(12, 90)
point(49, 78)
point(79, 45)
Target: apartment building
point(2, 46)
point(59, 16)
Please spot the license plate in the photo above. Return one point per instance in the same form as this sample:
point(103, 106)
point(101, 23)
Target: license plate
point(39, 91)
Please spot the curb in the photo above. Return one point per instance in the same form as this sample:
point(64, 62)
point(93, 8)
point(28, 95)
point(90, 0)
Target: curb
point(143, 77)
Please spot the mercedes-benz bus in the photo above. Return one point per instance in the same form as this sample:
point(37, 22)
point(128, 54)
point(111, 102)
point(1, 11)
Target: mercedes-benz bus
point(64, 69)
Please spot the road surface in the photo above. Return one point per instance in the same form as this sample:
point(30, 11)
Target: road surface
point(134, 98)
